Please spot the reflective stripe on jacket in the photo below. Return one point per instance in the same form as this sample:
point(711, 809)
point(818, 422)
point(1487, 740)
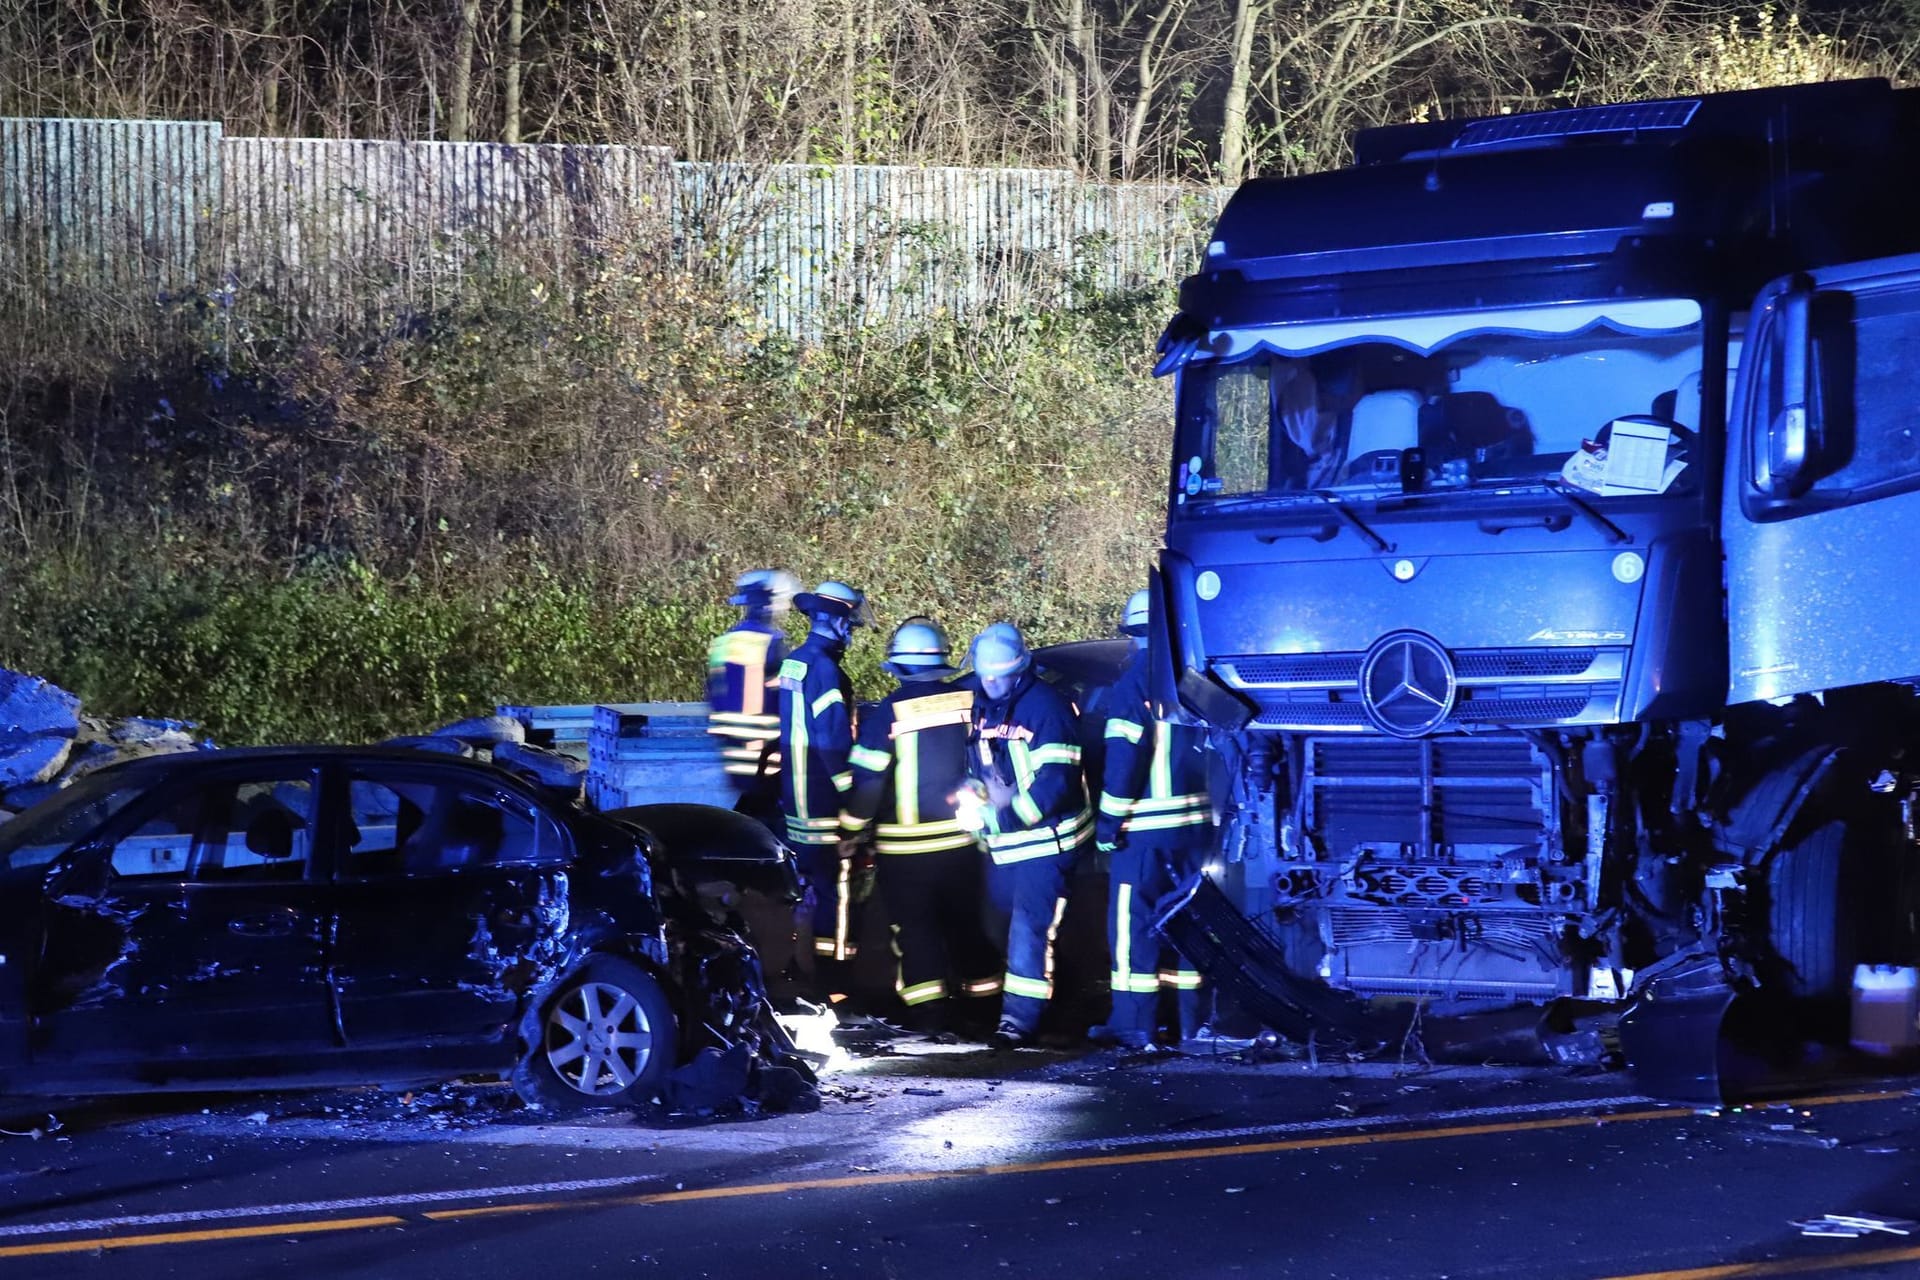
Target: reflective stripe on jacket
point(1154, 788)
point(816, 741)
point(910, 761)
point(1029, 750)
point(743, 698)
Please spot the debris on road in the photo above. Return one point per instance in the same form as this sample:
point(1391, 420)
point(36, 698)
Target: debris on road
point(1841, 1226)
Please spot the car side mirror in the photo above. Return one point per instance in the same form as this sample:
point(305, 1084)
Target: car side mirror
point(1787, 433)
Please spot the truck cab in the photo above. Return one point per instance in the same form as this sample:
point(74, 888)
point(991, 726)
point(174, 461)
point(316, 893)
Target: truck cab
point(1537, 511)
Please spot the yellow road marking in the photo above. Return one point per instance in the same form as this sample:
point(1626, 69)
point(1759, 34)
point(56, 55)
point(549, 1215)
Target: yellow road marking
point(1784, 1266)
point(90, 1244)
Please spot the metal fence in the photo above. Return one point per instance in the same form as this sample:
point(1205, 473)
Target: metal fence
point(123, 207)
point(342, 231)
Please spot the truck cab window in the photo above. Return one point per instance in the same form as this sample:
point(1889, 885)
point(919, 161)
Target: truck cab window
point(1382, 413)
point(1237, 406)
point(1863, 420)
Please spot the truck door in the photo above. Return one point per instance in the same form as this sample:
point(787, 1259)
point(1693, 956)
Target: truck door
point(1823, 484)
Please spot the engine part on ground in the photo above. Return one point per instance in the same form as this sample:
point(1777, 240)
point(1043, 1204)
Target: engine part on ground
point(1235, 954)
point(1673, 1035)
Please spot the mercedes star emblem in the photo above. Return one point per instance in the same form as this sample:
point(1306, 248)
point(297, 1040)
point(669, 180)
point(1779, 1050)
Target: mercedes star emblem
point(1407, 684)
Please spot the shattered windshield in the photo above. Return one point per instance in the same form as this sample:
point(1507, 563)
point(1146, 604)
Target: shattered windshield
point(1601, 398)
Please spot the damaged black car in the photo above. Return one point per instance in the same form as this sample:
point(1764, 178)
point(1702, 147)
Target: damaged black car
point(295, 916)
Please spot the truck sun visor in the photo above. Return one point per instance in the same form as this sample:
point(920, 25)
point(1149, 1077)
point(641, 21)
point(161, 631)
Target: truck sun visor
point(1425, 334)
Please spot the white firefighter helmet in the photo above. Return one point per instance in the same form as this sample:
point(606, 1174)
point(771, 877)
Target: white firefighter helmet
point(919, 648)
point(835, 600)
point(1000, 651)
point(1133, 620)
point(764, 588)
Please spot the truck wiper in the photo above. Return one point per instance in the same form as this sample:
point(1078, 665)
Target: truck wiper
point(1615, 534)
point(1345, 512)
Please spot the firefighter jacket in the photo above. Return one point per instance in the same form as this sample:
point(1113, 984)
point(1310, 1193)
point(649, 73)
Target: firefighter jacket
point(816, 740)
point(1153, 791)
point(910, 761)
point(743, 700)
point(1026, 748)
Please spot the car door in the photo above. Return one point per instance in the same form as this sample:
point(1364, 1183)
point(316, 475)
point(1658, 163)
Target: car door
point(1823, 483)
point(451, 895)
point(191, 929)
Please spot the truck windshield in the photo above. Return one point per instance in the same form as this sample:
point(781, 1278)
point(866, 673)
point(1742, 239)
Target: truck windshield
point(1602, 398)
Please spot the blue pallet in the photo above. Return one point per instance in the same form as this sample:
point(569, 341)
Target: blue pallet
point(656, 753)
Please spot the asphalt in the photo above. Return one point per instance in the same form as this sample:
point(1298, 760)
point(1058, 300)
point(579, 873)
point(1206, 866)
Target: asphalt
point(966, 1164)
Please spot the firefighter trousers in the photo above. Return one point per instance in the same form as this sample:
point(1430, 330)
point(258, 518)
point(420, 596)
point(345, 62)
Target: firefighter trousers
point(1031, 897)
point(830, 911)
point(1143, 964)
point(934, 900)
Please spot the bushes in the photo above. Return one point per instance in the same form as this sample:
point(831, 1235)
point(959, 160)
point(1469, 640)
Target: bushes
point(345, 655)
point(543, 494)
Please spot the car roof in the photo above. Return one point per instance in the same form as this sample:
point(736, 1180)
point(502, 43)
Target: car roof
point(193, 762)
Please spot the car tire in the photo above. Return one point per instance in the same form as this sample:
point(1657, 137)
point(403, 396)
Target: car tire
point(1815, 913)
point(605, 1037)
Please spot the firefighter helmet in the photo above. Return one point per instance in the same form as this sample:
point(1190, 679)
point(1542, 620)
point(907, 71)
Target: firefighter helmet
point(1133, 622)
point(919, 648)
point(1000, 651)
point(835, 600)
point(764, 588)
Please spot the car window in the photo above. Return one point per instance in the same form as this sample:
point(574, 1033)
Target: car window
point(62, 822)
point(402, 826)
point(251, 830)
point(257, 831)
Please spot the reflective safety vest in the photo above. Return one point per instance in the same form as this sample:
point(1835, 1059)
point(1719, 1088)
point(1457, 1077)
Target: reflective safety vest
point(910, 761)
point(816, 741)
point(743, 701)
point(1153, 792)
point(1028, 746)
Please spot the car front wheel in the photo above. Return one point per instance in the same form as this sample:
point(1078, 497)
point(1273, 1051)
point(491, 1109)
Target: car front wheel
point(605, 1037)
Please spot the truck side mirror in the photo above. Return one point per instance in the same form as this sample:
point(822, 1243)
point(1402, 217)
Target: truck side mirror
point(1787, 433)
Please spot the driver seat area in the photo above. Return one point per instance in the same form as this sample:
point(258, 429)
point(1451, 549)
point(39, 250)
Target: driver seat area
point(1384, 424)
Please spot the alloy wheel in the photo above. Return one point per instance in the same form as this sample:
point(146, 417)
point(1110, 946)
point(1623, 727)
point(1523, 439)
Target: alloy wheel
point(598, 1039)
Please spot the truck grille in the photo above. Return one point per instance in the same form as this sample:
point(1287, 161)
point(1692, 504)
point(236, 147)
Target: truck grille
point(1305, 692)
point(1477, 797)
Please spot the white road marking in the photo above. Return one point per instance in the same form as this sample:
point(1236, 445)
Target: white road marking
point(399, 1200)
point(1353, 1124)
point(395, 1201)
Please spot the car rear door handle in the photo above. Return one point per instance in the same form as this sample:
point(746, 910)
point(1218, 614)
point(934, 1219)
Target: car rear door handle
point(267, 924)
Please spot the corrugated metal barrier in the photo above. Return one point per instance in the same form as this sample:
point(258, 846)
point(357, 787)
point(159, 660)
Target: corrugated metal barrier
point(359, 232)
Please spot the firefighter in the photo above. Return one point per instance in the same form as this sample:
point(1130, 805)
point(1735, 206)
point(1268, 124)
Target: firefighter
point(743, 690)
point(1028, 801)
point(908, 768)
point(816, 741)
point(1155, 825)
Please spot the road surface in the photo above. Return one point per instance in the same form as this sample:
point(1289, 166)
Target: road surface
point(964, 1163)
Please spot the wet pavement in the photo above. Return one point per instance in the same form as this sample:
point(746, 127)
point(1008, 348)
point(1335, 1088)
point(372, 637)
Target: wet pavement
point(944, 1161)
